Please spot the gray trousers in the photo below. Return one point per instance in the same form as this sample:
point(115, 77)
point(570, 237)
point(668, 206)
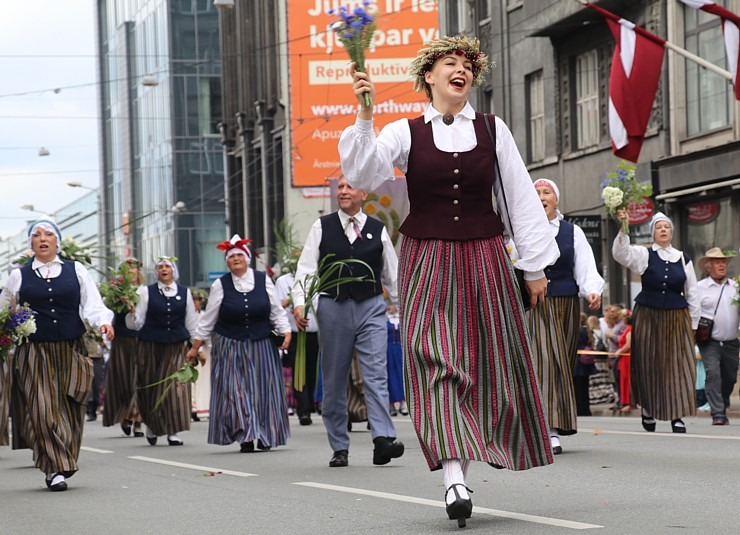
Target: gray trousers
point(721, 364)
point(346, 327)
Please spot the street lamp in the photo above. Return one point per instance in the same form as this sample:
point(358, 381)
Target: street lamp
point(30, 208)
point(43, 151)
point(98, 210)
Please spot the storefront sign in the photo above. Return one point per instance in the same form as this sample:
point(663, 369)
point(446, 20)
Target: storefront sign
point(642, 212)
point(321, 100)
point(591, 226)
point(703, 212)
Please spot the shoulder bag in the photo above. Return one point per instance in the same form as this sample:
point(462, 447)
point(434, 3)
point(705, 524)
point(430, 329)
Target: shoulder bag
point(497, 177)
point(704, 329)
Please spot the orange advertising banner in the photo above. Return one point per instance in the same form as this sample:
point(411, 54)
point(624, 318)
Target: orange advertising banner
point(322, 103)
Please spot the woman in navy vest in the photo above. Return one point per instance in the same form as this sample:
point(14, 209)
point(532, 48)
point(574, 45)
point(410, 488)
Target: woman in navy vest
point(554, 323)
point(165, 318)
point(53, 375)
point(247, 390)
point(666, 310)
point(471, 386)
point(120, 380)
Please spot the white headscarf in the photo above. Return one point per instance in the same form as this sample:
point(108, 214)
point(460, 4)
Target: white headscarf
point(659, 216)
point(540, 182)
point(170, 260)
point(49, 226)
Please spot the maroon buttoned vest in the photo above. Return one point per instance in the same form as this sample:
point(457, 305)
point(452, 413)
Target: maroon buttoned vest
point(450, 193)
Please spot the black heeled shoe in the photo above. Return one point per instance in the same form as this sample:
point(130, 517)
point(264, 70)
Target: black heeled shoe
point(648, 423)
point(678, 428)
point(460, 509)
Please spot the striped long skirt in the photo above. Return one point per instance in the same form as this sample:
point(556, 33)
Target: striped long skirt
point(51, 386)
point(120, 382)
point(470, 377)
point(247, 393)
point(155, 362)
point(553, 325)
point(663, 363)
point(5, 386)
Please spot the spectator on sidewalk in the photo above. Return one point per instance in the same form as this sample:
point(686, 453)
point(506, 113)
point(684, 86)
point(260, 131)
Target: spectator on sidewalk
point(720, 352)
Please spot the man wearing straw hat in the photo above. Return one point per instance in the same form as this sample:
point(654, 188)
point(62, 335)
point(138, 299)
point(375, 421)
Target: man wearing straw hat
point(720, 352)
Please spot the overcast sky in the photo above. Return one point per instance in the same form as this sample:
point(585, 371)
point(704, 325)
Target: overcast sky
point(46, 45)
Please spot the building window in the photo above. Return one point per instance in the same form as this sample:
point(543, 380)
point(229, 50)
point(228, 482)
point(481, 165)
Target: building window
point(482, 9)
point(708, 95)
point(587, 99)
point(535, 87)
point(456, 16)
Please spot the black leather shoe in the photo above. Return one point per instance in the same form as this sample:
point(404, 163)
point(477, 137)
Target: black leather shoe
point(339, 459)
point(175, 441)
point(261, 446)
point(678, 428)
point(151, 438)
point(138, 433)
point(247, 447)
point(305, 420)
point(60, 484)
point(194, 416)
point(126, 428)
point(648, 424)
point(92, 417)
point(460, 509)
point(386, 449)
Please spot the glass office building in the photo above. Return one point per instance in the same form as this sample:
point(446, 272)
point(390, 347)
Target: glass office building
point(161, 157)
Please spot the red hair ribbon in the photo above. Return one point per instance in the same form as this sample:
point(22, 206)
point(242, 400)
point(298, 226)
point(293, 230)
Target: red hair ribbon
point(227, 245)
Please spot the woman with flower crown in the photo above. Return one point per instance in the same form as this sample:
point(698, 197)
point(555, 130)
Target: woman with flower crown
point(120, 379)
point(166, 319)
point(247, 390)
point(664, 318)
point(53, 375)
point(470, 378)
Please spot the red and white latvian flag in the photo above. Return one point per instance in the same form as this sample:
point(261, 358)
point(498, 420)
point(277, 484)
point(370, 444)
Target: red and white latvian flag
point(731, 31)
point(636, 65)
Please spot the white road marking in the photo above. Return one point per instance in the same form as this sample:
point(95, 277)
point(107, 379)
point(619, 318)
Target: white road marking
point(95, 450)
point(193, 467)
point(438, 503)
point(656, 434)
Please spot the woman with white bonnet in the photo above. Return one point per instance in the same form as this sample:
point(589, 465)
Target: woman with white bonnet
point(666, 312)
point(53, 375)
point(554, 324)
point(247, 391)
point(165, 317)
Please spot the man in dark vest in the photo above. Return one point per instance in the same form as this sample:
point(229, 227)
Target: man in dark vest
point(352, 317)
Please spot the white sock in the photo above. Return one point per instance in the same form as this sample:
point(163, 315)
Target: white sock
point(150, 433)
point(646, 415)
point(57, 479)
point(174, 437)
point(454, 475)
point(678, 424)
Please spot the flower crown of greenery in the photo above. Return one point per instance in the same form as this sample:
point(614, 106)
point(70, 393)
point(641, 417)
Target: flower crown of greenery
point(437, 48)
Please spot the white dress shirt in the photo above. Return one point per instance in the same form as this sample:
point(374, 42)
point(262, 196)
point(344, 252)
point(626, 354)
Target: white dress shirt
point(136, 320)
point(636, 258)
point(584, 269)
point(727, 318)
point(308, 263)
point(92, 308)
point(284, 290)
point(245, 283)
point(369, 160)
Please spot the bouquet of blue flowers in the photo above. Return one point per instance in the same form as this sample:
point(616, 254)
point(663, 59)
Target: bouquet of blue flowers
point(620, 187)
point(17, 323)
point(355, 29)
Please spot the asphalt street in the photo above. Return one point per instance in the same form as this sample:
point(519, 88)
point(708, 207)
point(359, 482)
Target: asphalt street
point(612, 478)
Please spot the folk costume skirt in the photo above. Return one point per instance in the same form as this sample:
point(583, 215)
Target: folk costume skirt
point(663, 367)
point(553, 325)
point(120, 382)
point(247, 393)
point(470, 377)
point(155, 362)
point(51, 386)
point(5, 386)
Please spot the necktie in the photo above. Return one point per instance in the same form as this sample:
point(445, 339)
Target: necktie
point(355, 227)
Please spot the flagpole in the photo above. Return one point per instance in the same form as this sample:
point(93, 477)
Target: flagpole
point(692, 57)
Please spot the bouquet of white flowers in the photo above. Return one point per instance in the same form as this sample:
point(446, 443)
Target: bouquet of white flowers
point(620, 187)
